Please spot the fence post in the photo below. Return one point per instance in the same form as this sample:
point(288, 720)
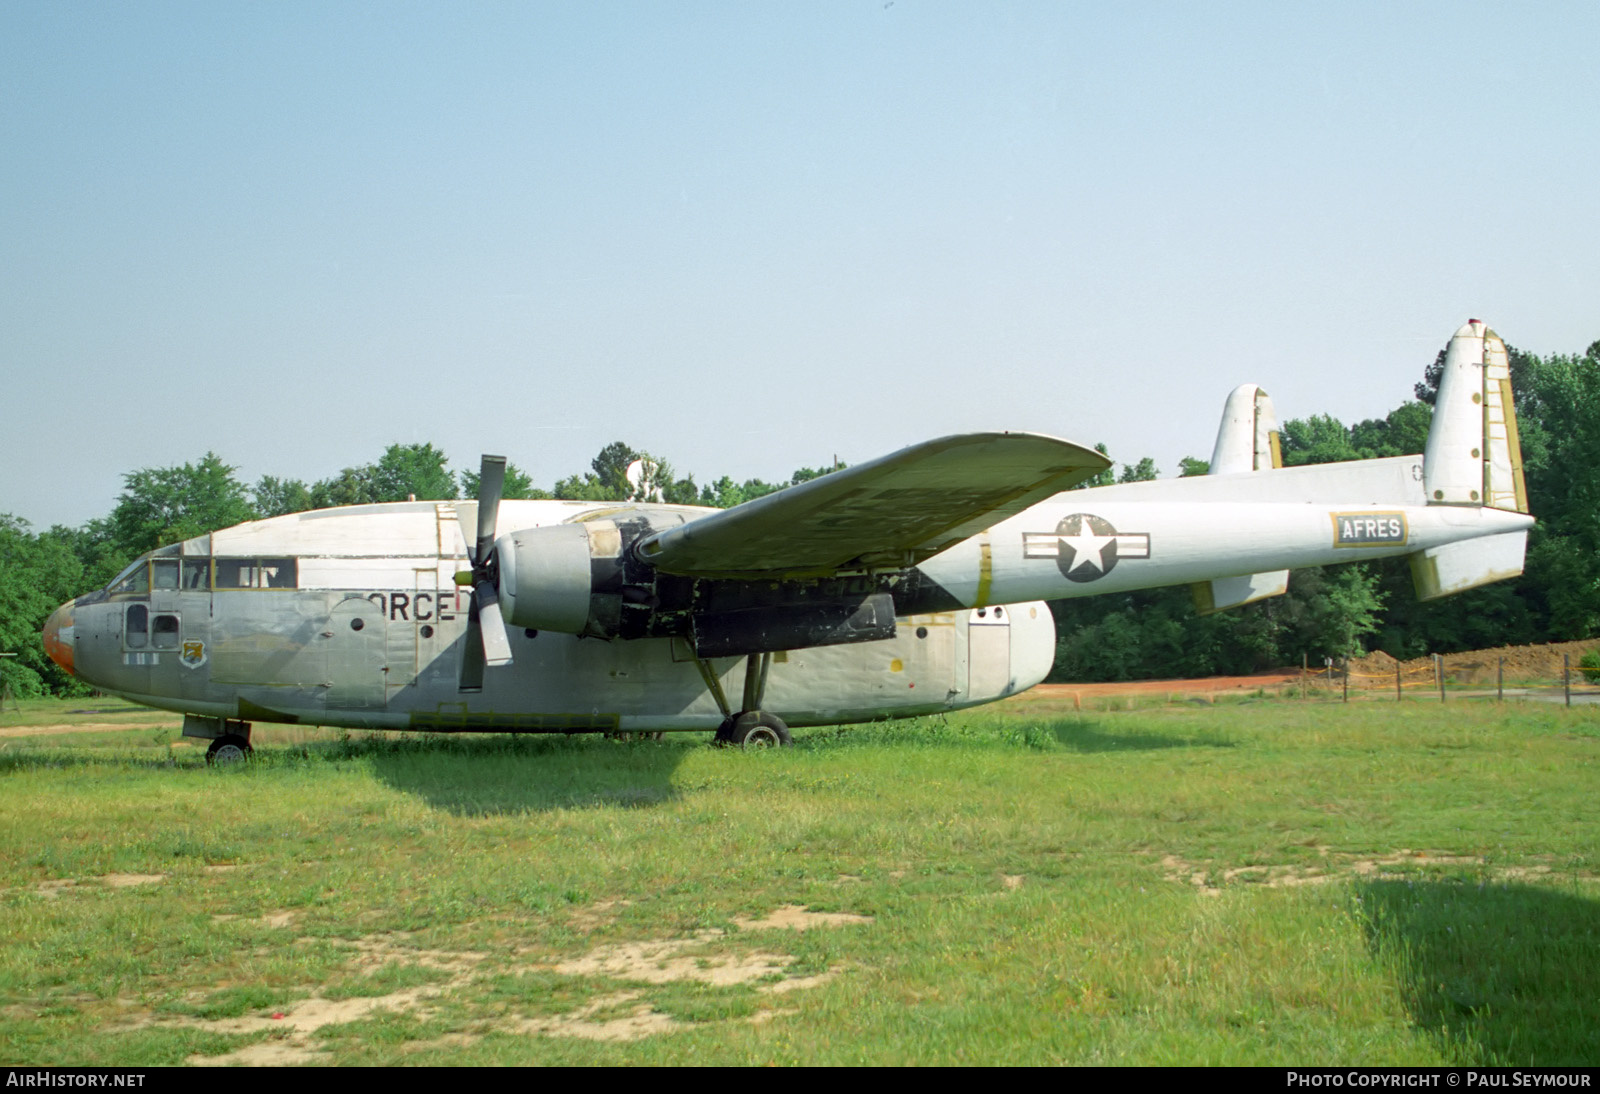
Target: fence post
point(1438, 672)
point(1397, 695)
point(1500, 680)
point(1304, 665)
point(1566, 677)
point(1347, 680)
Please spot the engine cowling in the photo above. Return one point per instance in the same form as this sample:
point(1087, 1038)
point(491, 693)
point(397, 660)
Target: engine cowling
point(574, 578)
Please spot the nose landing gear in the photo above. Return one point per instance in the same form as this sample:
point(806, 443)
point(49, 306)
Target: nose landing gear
point(230, 740)
point(229, 749)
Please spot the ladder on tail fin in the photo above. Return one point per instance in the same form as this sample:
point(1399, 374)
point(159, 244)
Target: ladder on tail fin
point(1503, 483)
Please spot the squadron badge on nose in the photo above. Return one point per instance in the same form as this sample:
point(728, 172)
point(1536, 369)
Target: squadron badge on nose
point(193, 655)
point(1085, 547)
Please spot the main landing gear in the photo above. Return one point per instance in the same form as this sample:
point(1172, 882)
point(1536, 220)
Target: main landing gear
point(752, 727)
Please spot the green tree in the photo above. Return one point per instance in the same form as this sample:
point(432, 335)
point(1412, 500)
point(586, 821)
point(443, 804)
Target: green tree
point(1143, 471)
point(1403, 432)
point(37, 573)
point(1334, 609)
point(518, 485)
point(413, 470)
point(1317, 439)
point(276, 497)
point(1189, 467)
point(167, 504)
point(352, 486)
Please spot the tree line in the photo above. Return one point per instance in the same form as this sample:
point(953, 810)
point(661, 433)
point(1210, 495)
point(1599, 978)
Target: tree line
point(1334, 612)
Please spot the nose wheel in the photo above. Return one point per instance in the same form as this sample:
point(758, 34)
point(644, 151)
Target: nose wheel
point(229, 749)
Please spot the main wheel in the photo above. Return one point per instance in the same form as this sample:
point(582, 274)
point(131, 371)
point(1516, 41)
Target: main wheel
point(756, 729)
point(228, 749)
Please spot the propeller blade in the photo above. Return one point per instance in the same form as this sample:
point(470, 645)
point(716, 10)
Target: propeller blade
point(496, 646)
point(491, 479)
point(472, 655)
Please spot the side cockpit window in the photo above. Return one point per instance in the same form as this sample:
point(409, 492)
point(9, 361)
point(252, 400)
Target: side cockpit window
point(135, 579)
point(197, 573)
point(257, 573)
point(164, 573)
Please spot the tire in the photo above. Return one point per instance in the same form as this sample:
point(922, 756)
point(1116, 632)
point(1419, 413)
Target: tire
point(758, 729)
point(230, 748)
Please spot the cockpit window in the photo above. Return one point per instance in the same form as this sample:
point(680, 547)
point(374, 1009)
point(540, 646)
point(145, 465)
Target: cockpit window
point(257, 573)
point(197, 573)
point(135, 579)
point(164, 573)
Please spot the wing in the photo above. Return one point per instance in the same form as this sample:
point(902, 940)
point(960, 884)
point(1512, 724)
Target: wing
point(890, 512)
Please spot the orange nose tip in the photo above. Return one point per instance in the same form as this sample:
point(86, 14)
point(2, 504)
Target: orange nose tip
point(58, 636)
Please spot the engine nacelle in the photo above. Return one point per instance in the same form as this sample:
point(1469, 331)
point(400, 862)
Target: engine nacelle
point(575, 578)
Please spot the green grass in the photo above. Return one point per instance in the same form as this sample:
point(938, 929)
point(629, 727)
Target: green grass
point(1255, 882)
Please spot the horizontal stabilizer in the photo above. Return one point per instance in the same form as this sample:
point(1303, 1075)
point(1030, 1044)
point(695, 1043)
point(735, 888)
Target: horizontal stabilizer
point(891, 512)
point(1230, 592)
point(1456, 567)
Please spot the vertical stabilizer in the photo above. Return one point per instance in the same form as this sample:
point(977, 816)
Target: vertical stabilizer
point(1248, 437)
point(1473, 455)
point(1246, 441)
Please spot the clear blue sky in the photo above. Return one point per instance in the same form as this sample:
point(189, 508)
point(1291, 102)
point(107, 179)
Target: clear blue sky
point(750, 237)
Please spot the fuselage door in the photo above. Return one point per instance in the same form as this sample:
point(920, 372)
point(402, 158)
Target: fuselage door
point(988, 651)
point(357, 655)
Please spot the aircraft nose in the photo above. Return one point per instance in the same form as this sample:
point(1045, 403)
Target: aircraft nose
point(58, 637)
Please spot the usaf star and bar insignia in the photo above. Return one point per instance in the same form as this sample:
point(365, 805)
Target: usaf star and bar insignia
point(1085, 547)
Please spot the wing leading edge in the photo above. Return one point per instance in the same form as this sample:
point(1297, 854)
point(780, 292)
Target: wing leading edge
point(890, 512)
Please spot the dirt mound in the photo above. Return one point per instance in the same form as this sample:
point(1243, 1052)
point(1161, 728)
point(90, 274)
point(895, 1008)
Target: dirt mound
point(1521, 664)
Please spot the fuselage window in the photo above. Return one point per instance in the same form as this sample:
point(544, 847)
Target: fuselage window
point(164, 633)
point(135, 579)
point(256, 573)
point(136, 635)
point(197, 573)
point(165, 573)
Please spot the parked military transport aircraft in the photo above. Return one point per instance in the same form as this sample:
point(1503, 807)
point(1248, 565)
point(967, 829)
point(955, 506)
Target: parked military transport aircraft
point(907, 585)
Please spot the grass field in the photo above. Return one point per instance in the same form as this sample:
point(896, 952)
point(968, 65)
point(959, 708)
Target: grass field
point(1263, 882)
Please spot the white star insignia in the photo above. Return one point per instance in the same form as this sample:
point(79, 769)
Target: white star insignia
point(1087, 547)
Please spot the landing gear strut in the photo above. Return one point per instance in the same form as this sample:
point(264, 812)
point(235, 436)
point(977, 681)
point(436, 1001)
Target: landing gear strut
point(752, 727)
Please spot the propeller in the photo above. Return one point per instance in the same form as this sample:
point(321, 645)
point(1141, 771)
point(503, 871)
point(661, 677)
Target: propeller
point(486, 641)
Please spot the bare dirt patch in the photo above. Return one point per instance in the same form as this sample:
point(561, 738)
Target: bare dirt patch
point(78, 727)
point(674, 959)
point(796, 917)
point(599, 914)
point(1073, 695)
point(1396, 866)
point(704, 957)
point(263, 1054)
point(124, 881)
point(641, 1021)
point(276, 920)
point(54, 887)
point(1375, 671)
